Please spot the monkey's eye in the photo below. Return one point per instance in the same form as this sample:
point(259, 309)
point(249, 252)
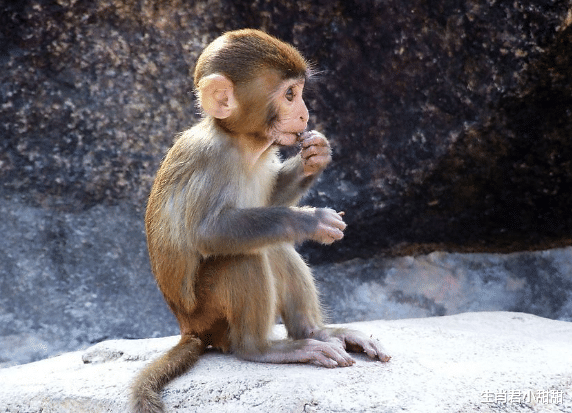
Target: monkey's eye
point(290, 94)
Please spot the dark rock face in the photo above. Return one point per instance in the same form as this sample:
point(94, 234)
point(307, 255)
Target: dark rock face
point(93, 95)
point(450, 123)
point(450, 120)
point(455, 131)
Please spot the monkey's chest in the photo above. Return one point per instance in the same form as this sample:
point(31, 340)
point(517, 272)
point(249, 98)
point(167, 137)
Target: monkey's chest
point(254, 192)
point(255, 187)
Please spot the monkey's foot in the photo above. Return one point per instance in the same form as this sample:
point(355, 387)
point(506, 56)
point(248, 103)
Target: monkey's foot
point(327, 354)
point(353, 341)
point(321, 353)
point(358, 342)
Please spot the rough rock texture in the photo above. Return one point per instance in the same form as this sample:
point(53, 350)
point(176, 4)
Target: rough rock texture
point(67, 282)
point(445, 364)
point(450, 120)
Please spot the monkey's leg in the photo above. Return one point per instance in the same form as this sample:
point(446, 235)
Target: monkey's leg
point(246, 289)
point(297, 295)
point(300, 308)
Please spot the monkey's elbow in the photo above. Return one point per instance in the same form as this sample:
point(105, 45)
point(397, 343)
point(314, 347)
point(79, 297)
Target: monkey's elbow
point(203, 247)
point(204, 252)
point(214, 248)
point(207, 243)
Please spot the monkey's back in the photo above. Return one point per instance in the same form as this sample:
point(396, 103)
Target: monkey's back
point(202, 175)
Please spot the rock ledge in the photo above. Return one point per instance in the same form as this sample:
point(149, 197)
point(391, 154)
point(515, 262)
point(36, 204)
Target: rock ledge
point(446, 364)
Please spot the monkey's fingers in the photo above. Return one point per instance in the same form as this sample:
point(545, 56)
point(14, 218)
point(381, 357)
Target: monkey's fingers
point(300, 136)
point(315, 157)
point(316, 162)
point(315, 141)
point(330, 226)
point(339, 223)
point(313, 138)
point(323, 361)
point(329, 235)
point(309, 151)
point(375, 351)
point(314, 150)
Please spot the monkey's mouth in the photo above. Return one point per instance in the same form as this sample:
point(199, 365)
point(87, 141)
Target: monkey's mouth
point(285, 139)
point(299, 135)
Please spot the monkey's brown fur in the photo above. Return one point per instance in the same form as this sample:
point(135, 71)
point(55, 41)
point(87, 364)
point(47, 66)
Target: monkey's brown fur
point(221, 225)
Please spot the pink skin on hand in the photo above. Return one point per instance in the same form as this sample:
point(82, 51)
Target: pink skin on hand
point(315, 152)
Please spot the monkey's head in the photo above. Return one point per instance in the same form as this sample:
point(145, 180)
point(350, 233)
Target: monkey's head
point(252, 84)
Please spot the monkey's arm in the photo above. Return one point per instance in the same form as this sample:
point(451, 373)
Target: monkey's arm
point(244, 230)
point(299, 172)
point(291, 183)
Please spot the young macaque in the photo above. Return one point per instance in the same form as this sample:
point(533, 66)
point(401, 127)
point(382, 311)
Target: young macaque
point(222, 219)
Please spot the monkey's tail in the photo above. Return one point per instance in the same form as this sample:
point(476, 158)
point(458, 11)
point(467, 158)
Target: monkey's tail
point(145, 397)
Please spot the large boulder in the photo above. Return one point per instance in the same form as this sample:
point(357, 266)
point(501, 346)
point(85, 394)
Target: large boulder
point(450, 122)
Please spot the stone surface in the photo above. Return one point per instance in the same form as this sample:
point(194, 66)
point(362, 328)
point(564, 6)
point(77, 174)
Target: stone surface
point(445, 364)
point(450, 121)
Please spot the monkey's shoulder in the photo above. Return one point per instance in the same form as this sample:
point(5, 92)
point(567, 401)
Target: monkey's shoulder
point(196, 149)
point(201, 141)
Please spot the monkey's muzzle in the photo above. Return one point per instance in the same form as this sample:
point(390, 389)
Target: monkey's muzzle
point(300, 136)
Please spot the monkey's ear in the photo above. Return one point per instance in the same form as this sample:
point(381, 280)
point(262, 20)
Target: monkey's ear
point(216, 93)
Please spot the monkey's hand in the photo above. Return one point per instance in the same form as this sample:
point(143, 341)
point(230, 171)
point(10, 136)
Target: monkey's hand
point(316, 153)
point(330, 227)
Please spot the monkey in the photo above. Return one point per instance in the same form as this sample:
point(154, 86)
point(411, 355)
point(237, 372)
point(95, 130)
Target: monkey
point(222, 219)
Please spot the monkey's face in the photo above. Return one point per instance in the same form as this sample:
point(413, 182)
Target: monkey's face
point(289, 113)
point(277, 114)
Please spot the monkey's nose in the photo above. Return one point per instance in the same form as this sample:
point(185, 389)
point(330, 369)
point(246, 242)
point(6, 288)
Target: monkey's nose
point(305, 115)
